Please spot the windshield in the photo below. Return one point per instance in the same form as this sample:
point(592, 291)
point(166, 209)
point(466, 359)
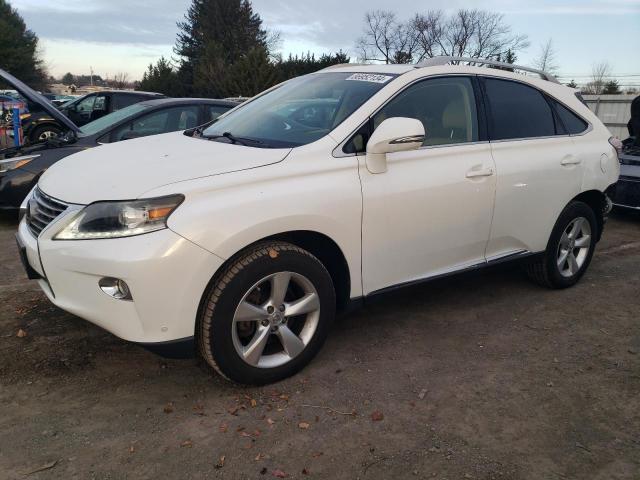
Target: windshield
point(299, 112)
point(107, 121)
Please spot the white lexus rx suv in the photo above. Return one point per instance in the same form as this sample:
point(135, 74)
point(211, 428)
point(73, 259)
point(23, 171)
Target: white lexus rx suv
point(242, 239)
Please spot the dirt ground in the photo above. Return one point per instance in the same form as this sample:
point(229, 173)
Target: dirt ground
point(484, 376)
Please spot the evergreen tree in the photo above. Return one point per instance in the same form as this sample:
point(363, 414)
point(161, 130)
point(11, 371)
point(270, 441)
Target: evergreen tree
point(68, 78)
point(217, 34)
point(162, 78)
point(19, 48)
point(611, 88)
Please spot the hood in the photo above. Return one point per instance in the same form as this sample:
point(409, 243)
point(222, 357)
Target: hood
point(35, 97)
point(126, 170)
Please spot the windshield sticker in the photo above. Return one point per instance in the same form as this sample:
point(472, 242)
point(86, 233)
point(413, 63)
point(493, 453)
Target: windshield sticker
point(370, 77)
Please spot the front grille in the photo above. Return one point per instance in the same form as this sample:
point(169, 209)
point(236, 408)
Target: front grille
point(42, 210)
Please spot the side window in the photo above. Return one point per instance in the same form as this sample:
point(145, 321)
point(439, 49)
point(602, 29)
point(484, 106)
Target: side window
point(124, 100)
point(572, 123)
point(100, 105)
point(163, 121)
point(517, 111)
point(214, 111)
point(445, 106)
point(86, 104)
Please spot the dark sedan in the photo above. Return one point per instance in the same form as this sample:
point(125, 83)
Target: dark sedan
point(21, 170)
point(40, 126)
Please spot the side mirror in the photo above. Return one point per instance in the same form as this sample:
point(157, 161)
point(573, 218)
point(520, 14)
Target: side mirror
point(130, 134)
point(397, 134)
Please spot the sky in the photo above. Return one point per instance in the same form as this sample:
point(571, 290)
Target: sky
point(113, 36)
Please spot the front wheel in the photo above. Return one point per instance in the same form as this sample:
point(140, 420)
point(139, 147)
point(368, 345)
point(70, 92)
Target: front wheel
point(267, 314)
point(44, 133)
point(569, 250)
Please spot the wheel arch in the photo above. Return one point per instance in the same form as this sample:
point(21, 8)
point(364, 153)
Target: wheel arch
point(38, 125)
point(597, 200)
point(318, 244)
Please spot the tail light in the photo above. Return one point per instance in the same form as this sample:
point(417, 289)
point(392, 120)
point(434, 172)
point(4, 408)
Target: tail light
point(616, 143)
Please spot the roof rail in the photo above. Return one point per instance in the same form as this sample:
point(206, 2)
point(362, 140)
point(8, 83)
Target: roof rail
point(444, 60)
point(340, 65)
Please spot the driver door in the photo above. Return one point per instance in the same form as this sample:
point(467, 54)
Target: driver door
point(430, 212)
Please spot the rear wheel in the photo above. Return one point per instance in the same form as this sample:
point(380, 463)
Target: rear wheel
point(267, 314)
point(569, 250)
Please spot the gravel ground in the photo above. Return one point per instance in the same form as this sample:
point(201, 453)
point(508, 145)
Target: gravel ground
point(481, 376)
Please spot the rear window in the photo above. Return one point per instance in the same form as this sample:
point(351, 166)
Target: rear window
point(571, 122)
point(517, 111)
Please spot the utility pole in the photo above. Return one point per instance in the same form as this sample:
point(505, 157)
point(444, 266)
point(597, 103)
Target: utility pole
point(91, 76)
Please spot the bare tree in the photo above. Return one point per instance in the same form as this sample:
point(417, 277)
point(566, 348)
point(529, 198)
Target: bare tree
point(466, 33)
point(546, 61)
point(600, 72)
point(274, 44)
point(479, 34)
point(385, 39)
point(428, 29)
point(120, 80)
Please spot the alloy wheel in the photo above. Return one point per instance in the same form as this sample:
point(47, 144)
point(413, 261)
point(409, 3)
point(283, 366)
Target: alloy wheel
point(574, 246)
point(276, 319)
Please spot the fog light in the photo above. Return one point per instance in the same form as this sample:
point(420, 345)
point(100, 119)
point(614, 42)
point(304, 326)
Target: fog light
point(116, 288)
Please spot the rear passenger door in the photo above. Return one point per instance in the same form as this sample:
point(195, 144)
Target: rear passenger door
point(538, 172)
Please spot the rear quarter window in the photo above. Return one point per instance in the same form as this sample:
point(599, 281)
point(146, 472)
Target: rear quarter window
point(517, 111)
point(572, 123)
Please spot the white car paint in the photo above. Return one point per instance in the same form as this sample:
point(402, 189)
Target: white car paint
point(434, 210)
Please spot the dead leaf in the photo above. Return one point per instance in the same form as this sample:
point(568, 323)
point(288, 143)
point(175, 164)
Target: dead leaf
point(422, 393)
point(245, 434)
point(270, 422)
point(305, 471)
point(377, 416)
point(254, 403)
point(284, 396)
point(220, 463)
point(168, 408)
point(46, 466)
point(273, 253)
point(21, 333)
point(259, 457)
point(257, 432)
point(279, 474)
point(234, 410)
point(132, 449)
point(187, 443)
point(223, 428)
point(303, 425)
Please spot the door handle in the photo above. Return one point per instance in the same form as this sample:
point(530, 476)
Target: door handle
point(570, 160)
point(483, 172)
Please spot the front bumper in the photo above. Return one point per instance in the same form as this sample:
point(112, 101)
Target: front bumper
point(166, 273)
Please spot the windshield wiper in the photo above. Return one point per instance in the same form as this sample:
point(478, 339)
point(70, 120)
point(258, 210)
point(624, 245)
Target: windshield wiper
point(247, 142)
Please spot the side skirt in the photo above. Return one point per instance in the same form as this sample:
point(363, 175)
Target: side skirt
point(359, 302)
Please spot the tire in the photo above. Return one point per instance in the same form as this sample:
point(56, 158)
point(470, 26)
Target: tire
point(239, 310)
point(576, 221)
point(42, 133)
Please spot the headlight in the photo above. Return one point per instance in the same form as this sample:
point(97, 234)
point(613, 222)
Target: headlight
point(120, 219)
point(17, 162)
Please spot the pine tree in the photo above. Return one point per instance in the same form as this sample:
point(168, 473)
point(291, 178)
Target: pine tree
point(162, 78)
point(19, 48)
point(214, 35)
